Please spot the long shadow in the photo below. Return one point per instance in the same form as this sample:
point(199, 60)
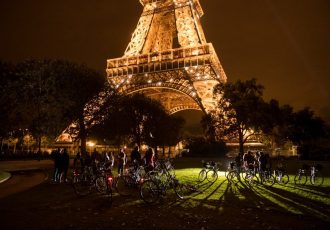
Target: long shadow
point(214, 191)
point(324, 191)
point(302, 203)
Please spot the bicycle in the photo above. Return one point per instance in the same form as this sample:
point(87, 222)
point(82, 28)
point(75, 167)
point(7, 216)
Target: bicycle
point(127, 184)
point(233, 173)
point(85, 182)
point(209, 172)
point(281, 177)
point(266, 177)
point(316, 177)
point(157, 184)
point(301, 176)
point(251, 177)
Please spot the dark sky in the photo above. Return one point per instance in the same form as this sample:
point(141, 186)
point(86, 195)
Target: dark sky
point(285, 44)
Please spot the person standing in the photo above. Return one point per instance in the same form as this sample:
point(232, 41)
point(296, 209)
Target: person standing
point(136, 156)
point(56, 159)
point(121, 161)
point(65, 160)
point(150, 159)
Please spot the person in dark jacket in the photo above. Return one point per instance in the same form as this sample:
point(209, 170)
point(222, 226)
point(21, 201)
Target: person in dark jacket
point(65, 160)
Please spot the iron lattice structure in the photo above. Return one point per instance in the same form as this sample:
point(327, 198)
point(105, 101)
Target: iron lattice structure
point(167, 59)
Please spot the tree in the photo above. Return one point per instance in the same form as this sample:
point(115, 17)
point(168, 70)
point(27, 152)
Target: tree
point(306, 126)
point(140, 119)
point(166, 131)
point(78, 86)
point(238, 110)
point(275, 122)
point(44, 96)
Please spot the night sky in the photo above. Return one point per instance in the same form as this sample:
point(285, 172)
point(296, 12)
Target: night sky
point(285, 44)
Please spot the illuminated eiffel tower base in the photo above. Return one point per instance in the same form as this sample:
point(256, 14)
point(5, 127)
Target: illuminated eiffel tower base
point(167, 59)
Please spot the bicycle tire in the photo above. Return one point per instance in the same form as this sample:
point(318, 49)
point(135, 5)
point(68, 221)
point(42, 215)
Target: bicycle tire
point(82, 185)
point(251, 179)
point(317, 180)
point(300, 179)
point(123, 185)
point(101, 184)
point(285, 179)
point(149, 191)
point(202, 175)
point(180, 190)
point(212, 176)
point(268, 180)
point(231, 177)
point(109, 193)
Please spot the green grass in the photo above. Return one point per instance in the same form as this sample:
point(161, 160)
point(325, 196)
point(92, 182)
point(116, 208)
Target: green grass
point(301, 200)
point(4, 175)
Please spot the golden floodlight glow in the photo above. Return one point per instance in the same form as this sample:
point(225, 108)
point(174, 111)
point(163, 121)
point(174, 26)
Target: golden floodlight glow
point(168, 59)
point(90, 144)
point(152, 54)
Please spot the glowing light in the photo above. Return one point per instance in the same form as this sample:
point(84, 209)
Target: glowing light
point(149, 81)
point(90, 144)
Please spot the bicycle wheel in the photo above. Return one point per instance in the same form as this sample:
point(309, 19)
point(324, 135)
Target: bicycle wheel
point(251, 179)
point(149, 191)
point(124, 185)
point(232, 177)
point(202, 175)
point(300, 179)
point(101, 184)
point(268, 179)
point(212, 176)
point(181, 190)
point(317, 179)
point(109, 192)
point(285, 179)
point(82, 185)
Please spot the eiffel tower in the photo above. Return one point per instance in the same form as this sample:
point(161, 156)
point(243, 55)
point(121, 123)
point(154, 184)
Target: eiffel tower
point(167, 59)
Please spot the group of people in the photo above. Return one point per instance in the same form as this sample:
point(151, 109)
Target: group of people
point(61, 165)
point(136, 159)
point(82, 160)
point(258, 161)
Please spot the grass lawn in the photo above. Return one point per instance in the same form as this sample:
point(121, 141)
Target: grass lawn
point(3, 175)
point(304, 200)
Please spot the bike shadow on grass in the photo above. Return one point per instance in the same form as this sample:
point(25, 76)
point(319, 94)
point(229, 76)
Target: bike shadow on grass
point(308, 205)
point(315, 190)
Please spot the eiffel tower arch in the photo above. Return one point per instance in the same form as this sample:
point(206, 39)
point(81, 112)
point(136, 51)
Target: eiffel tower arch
point(168, 58)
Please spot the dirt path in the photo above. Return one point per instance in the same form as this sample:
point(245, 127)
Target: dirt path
point(21, 181)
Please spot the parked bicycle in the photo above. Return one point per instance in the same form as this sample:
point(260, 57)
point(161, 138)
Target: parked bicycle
point(87, 180)
point(209, 172)
point(281, 177)
point(316, 177)
point(158, 184)
point(251, 177)
point(233, 173)
point(313, 172)
point(129, 183)
point(266, 177)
